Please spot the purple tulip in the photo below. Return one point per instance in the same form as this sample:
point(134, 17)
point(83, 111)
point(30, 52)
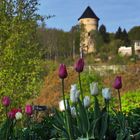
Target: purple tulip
point(6, 101)
point(79, 66)
point(11, 115)
point(62, 71)
point(28, 110)
point(117, 83)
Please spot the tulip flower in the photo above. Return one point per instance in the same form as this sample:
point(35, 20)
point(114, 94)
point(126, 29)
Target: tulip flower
point(86, 101)
point(6, 101)
point(106, 93)
point(94, 88)
point(62, 71)
point(28, 110)
point(18, 115)
point(79, 66)
point(73, 111)
point(61, 105)
point(74, 93)
point(12, 113)
point(117, 83)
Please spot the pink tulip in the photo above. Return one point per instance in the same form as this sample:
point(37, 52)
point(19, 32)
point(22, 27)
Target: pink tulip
point(117, 83)
point(28, 110)
point(62, 71)
point(79, 66)
point(6, 101)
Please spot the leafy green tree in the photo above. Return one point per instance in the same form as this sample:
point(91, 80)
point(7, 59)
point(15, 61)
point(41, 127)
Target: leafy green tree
point(134, 33)
point(98, 40)
point(20, 59)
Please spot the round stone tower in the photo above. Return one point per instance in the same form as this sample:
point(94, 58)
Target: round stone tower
point(88, 22)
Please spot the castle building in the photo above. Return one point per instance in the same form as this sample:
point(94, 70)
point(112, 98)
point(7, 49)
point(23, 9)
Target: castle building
point(88, 22)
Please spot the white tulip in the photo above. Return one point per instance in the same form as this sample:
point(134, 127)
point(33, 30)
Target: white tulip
point(86, 101)
point(74, 87)
point(73, 111)
point(74, 93)
point(74, 96)
point(94, 88)
point(61, 105)
point(106, 93)
point(18, 116)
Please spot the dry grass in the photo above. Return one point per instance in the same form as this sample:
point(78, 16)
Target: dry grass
point(51, 91)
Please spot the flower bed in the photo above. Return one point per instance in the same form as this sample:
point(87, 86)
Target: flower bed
point(79, 116)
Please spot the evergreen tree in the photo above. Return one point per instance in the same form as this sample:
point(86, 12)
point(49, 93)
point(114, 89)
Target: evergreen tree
point(125, 38)
point(104, 34)
point(118, 34)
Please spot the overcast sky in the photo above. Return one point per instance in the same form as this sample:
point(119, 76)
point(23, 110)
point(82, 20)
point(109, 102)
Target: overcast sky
point(112, 13)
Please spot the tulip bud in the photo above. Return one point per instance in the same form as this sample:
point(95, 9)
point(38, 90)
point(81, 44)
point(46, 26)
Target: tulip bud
point(18, 115)
point(11, 115)
point(86, 101)
point(62, 71)
point(73, 111)
point(28, 110)
point(79, 66)
point(61, 105)
point(94, 88)
point(117, 83)
point(106, 93)
point(74, 93)
point(6, 101)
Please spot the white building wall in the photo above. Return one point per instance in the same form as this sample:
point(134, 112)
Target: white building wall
point(127, 51)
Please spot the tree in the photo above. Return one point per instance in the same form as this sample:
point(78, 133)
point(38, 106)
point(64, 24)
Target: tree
point(118, 34)
point(104, 34)
point(125, 38)
point(75, 34)
point(134, 33)
point(58, 44)
point(98, 40)
point(20, 58)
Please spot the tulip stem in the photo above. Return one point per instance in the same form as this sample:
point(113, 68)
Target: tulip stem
point(80, 87)
point(63, 94)
point(66, 113)
point(6, 123)
point(120, 104)
point(64, 100)
point(108, 119)
point(77, 116)
point(6, 112)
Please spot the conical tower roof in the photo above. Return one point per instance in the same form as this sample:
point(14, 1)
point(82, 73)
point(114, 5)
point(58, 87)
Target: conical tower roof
point(88, 13)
